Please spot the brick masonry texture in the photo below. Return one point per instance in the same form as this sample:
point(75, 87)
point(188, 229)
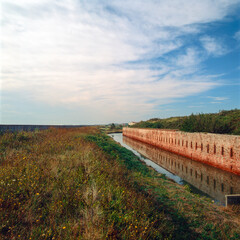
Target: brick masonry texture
point(218, 150)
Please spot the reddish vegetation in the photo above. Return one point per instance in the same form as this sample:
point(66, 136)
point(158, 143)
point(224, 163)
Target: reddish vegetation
point(221, 151)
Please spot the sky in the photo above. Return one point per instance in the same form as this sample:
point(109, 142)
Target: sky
point(97, 62)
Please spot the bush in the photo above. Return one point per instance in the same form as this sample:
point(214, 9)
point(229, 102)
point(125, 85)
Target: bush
point(224, 122)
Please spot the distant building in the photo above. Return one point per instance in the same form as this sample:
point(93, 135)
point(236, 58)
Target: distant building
point(131, 123)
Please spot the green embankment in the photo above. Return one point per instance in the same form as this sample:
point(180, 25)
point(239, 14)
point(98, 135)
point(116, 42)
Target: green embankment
point(80, 184)
point(224, 122)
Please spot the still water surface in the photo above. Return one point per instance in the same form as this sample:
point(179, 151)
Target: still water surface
point(202, 179)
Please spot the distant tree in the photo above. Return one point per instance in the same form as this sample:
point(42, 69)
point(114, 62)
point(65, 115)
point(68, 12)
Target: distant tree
point(112, 126)
point(206, 123)
point(153, 119)
point(157, 125)
point(227, 122)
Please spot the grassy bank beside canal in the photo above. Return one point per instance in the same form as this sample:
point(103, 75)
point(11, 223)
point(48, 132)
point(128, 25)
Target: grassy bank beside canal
point(80, 184)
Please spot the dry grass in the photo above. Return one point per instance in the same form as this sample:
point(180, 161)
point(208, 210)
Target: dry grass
point(57, 184)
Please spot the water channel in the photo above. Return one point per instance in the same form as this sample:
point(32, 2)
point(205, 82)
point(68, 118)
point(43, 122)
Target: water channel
point(202, 179)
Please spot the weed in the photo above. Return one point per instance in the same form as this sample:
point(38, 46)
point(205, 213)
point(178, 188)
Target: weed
point(79, 184)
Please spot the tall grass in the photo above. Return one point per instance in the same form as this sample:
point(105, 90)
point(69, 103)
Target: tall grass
point(78, 184)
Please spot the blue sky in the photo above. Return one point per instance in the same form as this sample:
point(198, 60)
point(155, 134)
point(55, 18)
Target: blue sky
point(91, 62)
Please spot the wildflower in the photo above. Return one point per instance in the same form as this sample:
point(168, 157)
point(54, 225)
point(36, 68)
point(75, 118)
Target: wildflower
point(63, 227)
point(37, 193)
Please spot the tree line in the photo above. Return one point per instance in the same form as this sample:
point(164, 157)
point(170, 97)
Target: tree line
point(224, 122)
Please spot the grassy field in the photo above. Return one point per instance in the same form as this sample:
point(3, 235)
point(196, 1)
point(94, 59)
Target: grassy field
point(80, 184)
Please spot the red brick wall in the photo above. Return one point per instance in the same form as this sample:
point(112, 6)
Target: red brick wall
point(211, 180)
point(218, 150)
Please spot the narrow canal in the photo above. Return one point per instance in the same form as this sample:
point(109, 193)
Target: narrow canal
point(201, 178)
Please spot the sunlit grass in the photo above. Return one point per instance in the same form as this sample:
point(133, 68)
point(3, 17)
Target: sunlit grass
point(79, 184)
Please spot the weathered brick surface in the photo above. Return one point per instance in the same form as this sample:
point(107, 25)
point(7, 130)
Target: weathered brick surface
point(221, 151)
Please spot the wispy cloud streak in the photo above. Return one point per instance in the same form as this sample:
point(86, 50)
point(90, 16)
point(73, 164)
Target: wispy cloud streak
point(81, 53)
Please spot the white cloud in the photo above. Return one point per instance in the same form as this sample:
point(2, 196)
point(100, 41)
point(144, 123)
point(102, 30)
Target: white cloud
point(188, 59)
point(213, 46)
point(219, 98)
point(237, 36)
point(175, 13)
point(88, 53)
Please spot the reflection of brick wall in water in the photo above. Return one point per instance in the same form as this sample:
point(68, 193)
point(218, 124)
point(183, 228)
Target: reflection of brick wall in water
point(215, 182)
point(222, 151)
